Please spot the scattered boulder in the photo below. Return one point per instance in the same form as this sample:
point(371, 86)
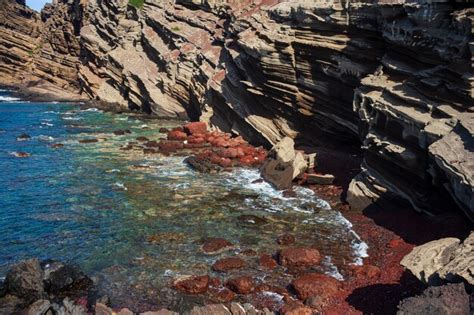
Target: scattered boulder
point(121, 132)
point(93, 140)
point(315, 284)
point(286, 239)
point(450, 299)
point(425, 260)
point(194, 128)
point(227, 264)
point(23, 137)
point(25, 280)
point(21, 154)
point(163, 130)
point(177, 135)
point(201, 165)
point(320, 179)
point(299, 257)
point(222, 295)
point(283, 164)
point(142, 139)
point(192, 284)
point(241, 285)
point(39, 307)
point(295, 308)
point(266, 261)
point(61, 278)
point(216, 245)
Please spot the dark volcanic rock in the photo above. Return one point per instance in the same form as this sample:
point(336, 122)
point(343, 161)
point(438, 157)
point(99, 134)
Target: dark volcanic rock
point(200, 165)
point(450, 299)
point(25, 280)
point(60, 278)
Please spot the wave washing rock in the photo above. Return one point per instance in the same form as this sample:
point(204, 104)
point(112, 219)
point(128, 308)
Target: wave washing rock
point(443, 260)
point(395, 76)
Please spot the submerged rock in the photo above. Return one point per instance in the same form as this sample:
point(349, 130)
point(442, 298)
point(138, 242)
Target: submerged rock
point(450, 299)
point(21, 154)
point(61, 278)
point(192, 284)
point(227, 264)
point(201, 165)
point(216, 245)
point(23, 137)
point(283, 164)
point(88, 140)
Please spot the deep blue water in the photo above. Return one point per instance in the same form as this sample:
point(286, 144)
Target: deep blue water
point(134, 221)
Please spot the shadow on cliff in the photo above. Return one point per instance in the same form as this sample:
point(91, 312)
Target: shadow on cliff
point(415, 227)
point(383, 299)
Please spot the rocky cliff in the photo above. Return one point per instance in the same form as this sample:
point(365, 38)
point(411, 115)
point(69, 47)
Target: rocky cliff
point(40, 51)
point(394, 76)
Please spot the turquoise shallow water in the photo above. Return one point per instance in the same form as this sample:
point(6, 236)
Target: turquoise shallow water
point(135, 221)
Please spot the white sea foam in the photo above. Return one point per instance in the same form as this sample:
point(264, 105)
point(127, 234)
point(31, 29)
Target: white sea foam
point(120, 185)
point(92, 109)
point(45, 123)
point(332, 269)
point(114, 170)
point(72, 118)
point(8, 99)
point(275, 296)
point(45, 138)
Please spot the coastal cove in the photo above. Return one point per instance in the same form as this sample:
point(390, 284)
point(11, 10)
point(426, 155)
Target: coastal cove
point(136, 221)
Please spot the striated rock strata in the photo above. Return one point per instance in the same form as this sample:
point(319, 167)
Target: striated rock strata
point(394, 76)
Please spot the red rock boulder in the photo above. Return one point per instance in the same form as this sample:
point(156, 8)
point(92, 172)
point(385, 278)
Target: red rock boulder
point(299, 257)
point(216, 245)
point(266, 261)
point(315, 284)
point(192, 284)
point(194, 128)
point(241, 285)
point(227, 264)
point(177, 135)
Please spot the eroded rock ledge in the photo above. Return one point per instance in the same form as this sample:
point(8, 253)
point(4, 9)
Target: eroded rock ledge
point(394, 76)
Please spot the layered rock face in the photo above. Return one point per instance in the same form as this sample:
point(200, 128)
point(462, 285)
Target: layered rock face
point(394, 76)
point(40, 48)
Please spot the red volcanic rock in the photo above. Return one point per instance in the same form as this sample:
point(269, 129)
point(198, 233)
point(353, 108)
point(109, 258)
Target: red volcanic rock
point(248, 252)
point(151, 144)
point(227, 264)
point(267, 261)
point(170, 146)
point(241, 285)
point(177, 135)
point(192, 284)
point(197, 127)
point(367, 272)
point(247, 160)
point(296, 308)
point(221, 295)
point(229, 153)
point(286, 239)
point(396, 242)
point(315, 284)
point(225, 162)
point(299, 257)
point(149, 151)
point(196, 140)
point(216, 245)
point(215, 282)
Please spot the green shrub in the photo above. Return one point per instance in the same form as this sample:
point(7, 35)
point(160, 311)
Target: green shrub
point(176, 29)
point(136, 3)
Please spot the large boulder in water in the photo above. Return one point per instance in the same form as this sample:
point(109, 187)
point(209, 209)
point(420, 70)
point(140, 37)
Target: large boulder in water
point(61, 278)
point(25, 280)
point(283, 164)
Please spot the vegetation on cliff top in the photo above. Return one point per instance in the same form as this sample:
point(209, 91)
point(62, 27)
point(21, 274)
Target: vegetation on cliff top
point(136, 3)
